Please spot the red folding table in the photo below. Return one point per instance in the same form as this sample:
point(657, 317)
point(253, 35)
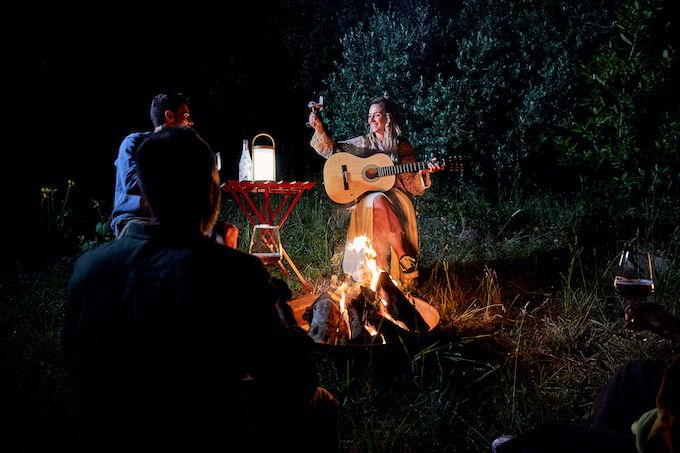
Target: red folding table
point(271, 212)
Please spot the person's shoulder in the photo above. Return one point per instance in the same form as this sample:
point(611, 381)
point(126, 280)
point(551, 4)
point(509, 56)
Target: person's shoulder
point(99, 259)
point(134, 138)
point(99, 251)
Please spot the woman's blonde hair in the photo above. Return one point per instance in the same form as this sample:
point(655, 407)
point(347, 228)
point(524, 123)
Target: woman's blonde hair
point(392, 127)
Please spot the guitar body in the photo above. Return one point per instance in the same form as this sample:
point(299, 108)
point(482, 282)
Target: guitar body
point(347, 177)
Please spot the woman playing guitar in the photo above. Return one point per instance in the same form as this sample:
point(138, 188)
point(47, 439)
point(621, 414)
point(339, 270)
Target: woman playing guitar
point(387, 218)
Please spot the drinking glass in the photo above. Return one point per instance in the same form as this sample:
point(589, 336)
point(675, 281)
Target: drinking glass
point(265, 243)
point(634, 278)
point(315, 107)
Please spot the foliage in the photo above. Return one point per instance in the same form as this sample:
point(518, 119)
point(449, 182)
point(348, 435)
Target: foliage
point(510, 342)
point(494, 80)
point(56, 211)
point(102, 230)
point(627, 136)
point(34, 379)
point(566, 100)
point(513, 87)
point(394, 52)
point(59, 224)
point(461, 223)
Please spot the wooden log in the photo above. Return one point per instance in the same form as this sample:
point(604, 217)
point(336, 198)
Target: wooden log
point(359, 309)
point(387, 330)
point(398, 306)
point(326, 324)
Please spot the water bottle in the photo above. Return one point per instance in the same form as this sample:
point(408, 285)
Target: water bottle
point(245, 165)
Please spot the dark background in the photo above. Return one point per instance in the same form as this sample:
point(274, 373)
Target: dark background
point(82, 80)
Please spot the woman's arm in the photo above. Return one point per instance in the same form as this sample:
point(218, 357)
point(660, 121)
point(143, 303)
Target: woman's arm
point(415, 183)
point(320, 141)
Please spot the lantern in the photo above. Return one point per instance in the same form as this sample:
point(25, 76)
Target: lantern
point(264, 159)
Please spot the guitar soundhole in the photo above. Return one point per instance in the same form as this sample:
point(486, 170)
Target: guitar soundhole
point(371, 172)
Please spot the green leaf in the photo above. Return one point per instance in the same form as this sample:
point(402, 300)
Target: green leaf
point(625, 39)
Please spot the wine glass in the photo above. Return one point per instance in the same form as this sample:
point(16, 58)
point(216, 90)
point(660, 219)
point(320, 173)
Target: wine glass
point(315, 107)
point(634, 278)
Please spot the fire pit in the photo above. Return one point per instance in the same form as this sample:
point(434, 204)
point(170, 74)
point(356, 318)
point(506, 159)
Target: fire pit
point(401, 332)
point(363, 317)
point(366, 309)
point(427, 311)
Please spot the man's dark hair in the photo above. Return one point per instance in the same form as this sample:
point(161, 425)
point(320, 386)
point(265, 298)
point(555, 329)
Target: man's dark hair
point(162, 102)
point(176, 173)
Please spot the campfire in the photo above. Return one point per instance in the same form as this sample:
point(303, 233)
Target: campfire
point(372, 311)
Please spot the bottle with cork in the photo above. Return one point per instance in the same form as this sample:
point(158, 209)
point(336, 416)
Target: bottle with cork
point(245, 165)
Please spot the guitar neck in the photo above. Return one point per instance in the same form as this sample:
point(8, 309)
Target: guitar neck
point(401, 168)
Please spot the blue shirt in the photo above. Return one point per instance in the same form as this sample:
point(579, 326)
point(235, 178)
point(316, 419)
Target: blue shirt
point(127, 199)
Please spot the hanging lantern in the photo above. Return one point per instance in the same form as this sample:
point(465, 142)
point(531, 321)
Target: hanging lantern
point(264, 159)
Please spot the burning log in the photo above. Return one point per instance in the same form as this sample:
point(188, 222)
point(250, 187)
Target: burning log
point(326, 324)
point(375, 327)
point(398, 306)
point(359, 309)
point(368, 318)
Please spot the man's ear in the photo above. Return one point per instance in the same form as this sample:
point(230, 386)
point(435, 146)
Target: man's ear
point(215, 198)
point(211, 208)
point(169, 116)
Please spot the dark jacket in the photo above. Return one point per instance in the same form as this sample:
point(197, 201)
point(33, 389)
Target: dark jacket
point(170, 337)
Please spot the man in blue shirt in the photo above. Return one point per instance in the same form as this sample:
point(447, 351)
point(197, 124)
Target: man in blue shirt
point(167, 110)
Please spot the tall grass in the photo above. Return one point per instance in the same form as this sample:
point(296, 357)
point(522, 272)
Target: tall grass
point(313, 235)
point(530, 328)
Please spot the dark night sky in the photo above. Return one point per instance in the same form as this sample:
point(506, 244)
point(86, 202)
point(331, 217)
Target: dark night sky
point(83, 82)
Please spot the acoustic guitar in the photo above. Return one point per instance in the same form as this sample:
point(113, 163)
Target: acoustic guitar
point(347, 177)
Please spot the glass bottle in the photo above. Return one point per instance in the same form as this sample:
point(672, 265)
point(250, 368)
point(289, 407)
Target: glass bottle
point(245, 165)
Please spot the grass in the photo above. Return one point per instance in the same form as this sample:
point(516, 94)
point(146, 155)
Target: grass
point(530, 327)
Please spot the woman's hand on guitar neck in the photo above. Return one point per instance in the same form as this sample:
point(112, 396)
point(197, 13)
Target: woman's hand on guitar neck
point(433, 166)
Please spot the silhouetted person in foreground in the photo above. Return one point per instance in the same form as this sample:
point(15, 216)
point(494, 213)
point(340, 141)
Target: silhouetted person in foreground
point(176, 342)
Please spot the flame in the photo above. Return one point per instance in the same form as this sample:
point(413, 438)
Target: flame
point(368, 277)
point(370, 329)
point(369, 268)
point(373, 332)
point(344, 314)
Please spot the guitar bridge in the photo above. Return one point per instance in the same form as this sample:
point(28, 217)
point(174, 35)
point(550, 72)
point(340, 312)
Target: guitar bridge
point(345, 183)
